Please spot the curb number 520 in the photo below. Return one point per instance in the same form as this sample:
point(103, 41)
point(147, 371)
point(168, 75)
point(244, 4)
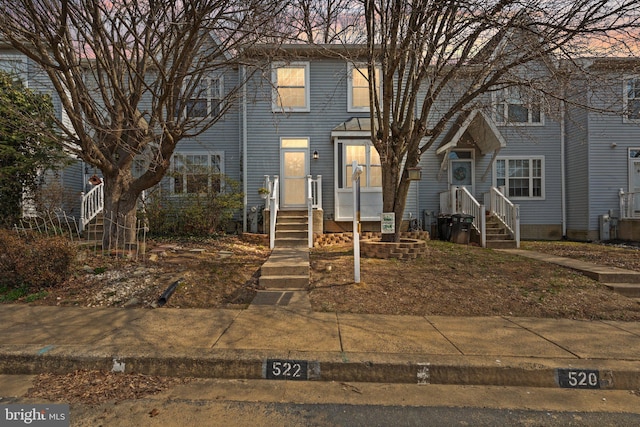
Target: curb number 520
point(578, 378)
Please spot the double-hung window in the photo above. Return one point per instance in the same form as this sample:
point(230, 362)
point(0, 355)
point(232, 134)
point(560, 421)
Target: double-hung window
point(199, 173)
point(518, 106)
point(368, 158)
point(632, 99)
point(358, 87)
point(290, 87)
point(16, 66)
point(203, 99)
point(522, 177)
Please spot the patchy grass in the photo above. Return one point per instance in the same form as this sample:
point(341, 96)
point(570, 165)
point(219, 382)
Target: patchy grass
point(457, 280)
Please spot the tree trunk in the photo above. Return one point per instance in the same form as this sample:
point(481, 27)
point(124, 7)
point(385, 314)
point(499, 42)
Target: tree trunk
point(120, 221)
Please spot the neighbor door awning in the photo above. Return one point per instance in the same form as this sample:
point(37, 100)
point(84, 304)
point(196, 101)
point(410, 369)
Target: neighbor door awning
point(482, 130)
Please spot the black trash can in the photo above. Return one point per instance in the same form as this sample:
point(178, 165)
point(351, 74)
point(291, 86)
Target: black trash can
point(461, 228)
point(444, 227)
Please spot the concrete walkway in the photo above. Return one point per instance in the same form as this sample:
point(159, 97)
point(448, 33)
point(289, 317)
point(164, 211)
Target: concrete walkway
point(279, 337)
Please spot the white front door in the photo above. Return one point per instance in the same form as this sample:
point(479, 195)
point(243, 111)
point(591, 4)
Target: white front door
point(461, 169)
point(294, 168)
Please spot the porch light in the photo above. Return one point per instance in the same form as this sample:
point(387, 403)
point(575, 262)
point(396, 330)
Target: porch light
point(316, 155)
point(415, 174)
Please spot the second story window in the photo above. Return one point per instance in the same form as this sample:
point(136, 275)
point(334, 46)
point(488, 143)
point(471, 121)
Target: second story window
point(518, 106)
point(204, 99)
point(290, 87)
point(632, 98)
point(358, 90)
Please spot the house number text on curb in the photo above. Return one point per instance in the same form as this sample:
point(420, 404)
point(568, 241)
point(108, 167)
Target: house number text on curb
point(578, 378)
point(279, 369)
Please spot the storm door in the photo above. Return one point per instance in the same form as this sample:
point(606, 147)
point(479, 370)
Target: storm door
point(294, 168)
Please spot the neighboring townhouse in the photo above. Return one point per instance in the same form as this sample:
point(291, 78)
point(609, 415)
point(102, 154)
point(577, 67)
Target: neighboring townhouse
point(603, 151)
point(304, 113)
point(69, 182)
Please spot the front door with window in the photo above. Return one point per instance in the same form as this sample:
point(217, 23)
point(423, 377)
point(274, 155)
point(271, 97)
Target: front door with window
point(461, 170)
point(294, 168)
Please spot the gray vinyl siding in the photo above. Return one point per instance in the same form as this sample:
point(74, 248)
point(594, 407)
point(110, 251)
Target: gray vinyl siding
point(577, 173)
point(328, 109)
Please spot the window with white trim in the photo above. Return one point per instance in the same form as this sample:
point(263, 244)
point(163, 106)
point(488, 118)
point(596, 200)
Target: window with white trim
point(631, 99)
point(196, 173)
point(522, 177)
point(204, 99)
point(367, 157)
point(358, 87)
point(518, 106)
point(16, 65)
point(290, 87)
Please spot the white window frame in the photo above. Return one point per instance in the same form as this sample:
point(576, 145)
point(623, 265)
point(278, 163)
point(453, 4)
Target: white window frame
point(530, 177)
point(626, 99)
point(351, 68)
point(213, 97)
point(210, 155)
point(21, 69)
point(275, 94)
point(501, 102)
point(346, 177)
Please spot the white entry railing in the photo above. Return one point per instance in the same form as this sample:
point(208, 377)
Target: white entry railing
point(91, 205)
point(507, 212)
point(273, 204)
point(467, 204)
point(629, 205)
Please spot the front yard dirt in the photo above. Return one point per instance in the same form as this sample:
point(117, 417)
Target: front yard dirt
point(451, 280)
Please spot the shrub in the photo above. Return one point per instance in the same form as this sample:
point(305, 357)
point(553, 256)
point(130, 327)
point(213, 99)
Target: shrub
point(34, 260)
point(194, 214)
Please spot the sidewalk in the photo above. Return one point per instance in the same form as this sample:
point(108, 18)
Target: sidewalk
point(279, 332)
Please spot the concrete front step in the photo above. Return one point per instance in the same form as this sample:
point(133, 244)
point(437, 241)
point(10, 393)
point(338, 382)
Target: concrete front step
point(292, 226)
point(501, 244)
point(285, 282)
point(631, 290)
point(283, 268)
point(286, 242)
point(291, 234)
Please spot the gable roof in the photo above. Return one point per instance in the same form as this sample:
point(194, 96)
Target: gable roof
point(479, 127)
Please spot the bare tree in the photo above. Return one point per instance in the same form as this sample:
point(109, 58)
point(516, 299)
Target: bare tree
point(134, 76)
point(321, 21)
point(439, 59)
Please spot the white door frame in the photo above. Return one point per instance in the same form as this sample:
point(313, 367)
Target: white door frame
point(293, 145)
point(454, 180)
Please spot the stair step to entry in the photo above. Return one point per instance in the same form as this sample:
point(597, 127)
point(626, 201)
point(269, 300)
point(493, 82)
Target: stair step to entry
point(284, 282)
point(631, 290)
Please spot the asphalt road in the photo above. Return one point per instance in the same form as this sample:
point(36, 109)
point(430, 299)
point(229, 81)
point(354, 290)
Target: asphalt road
point(209, 402)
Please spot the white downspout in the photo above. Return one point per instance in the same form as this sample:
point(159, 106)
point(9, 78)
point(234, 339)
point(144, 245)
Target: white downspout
point(563, 190)
point(243, 137)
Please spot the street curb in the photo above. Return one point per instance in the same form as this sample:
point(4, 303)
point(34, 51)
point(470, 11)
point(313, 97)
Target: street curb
point(329, 366)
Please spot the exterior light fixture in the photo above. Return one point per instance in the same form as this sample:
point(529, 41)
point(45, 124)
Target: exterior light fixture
point(316, 155)
point(415, 174)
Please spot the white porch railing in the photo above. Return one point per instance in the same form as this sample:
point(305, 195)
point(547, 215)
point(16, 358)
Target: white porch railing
point(629, 205)
point(313, 191)
point(273, 204)
point(468, 205)
point(507, 212)
point(91, 205)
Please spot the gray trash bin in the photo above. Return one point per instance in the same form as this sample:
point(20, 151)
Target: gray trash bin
point(461, 228)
